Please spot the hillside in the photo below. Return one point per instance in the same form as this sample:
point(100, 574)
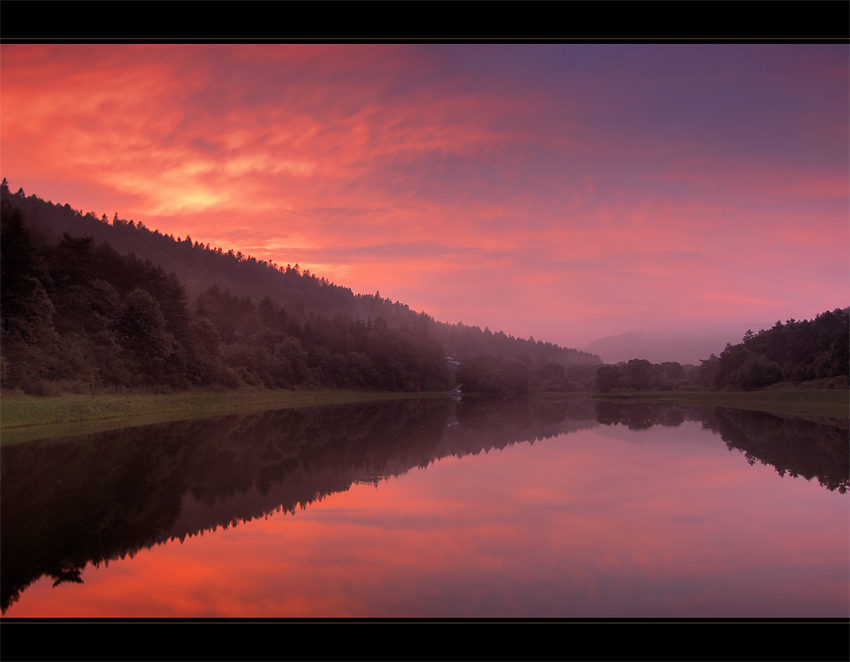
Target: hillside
point(80, 315)
point(811, 354)
point(795, 352)
point(201, 267)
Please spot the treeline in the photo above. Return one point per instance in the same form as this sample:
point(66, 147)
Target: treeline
point(201, 266)
point(488, 374)
point(506, 376)
point(642, 375)
point(126, 306)
point(79, 316)
point(795, 353)
point(812, 352)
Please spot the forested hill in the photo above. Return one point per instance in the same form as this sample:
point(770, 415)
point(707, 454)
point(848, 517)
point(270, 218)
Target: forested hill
point(795, 352)
point(79, 315)
point(811, 354)
point(200, 267)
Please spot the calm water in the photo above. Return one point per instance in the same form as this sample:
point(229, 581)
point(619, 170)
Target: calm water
point(432, 508)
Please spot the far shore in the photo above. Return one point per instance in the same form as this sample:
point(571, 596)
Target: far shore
point(829, 403)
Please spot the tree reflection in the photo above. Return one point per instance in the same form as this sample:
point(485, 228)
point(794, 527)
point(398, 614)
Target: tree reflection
point(70, 502)
point(66, 575)
point(639, 415)
point(793, 446)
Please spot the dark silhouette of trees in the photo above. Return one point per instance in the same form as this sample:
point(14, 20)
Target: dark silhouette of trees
point(608, 378)
point(816, 351)
point(794, 352)
point(143, 331)
point(81, 316)
point(69, 282)
point(290, 289)
point(29, 339)
point(489, 374)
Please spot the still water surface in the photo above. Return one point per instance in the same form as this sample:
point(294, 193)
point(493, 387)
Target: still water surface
point(432, 508)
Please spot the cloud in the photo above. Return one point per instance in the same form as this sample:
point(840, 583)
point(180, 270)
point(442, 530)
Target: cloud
point(526, 184)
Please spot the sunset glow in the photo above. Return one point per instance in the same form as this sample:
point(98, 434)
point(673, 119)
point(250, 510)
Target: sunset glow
point(563, 191)
point(668, 525)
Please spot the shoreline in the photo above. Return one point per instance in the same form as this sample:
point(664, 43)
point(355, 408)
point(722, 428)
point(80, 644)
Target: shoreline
point(25, 417)
point(808, 403)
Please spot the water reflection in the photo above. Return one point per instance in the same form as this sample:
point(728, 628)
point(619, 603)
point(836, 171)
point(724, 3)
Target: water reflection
point(793, 446)
point(70, 502)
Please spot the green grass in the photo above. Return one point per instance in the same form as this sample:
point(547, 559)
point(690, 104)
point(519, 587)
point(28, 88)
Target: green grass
point(24, 417)
point(823, 403)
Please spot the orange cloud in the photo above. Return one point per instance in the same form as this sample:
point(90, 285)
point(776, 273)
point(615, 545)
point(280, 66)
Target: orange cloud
point(573, 180)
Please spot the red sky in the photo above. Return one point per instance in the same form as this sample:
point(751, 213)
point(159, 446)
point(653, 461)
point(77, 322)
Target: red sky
point(565, 191)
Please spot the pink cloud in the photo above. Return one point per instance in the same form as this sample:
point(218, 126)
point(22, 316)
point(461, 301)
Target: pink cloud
point(492, 165)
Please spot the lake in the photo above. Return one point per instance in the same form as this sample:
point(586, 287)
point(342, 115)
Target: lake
point(432, 508)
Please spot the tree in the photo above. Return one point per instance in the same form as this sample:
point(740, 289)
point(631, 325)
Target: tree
point(26, 311)
point(607, 378)
point(142, 330)
point(638, 374)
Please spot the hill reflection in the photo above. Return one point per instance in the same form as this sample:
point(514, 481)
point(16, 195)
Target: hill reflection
point(793, 446)
point(91, 499)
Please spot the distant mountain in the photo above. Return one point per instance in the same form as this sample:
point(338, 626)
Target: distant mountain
point(682, 347)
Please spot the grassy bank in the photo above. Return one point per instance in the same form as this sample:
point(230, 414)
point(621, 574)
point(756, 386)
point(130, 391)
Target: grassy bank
point(24, 417)
point(824, 403)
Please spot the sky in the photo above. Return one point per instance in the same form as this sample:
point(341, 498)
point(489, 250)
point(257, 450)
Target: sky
point(564, 191)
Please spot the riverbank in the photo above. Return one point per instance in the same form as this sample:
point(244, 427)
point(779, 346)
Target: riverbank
point(25, 417)
point(823, 403)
